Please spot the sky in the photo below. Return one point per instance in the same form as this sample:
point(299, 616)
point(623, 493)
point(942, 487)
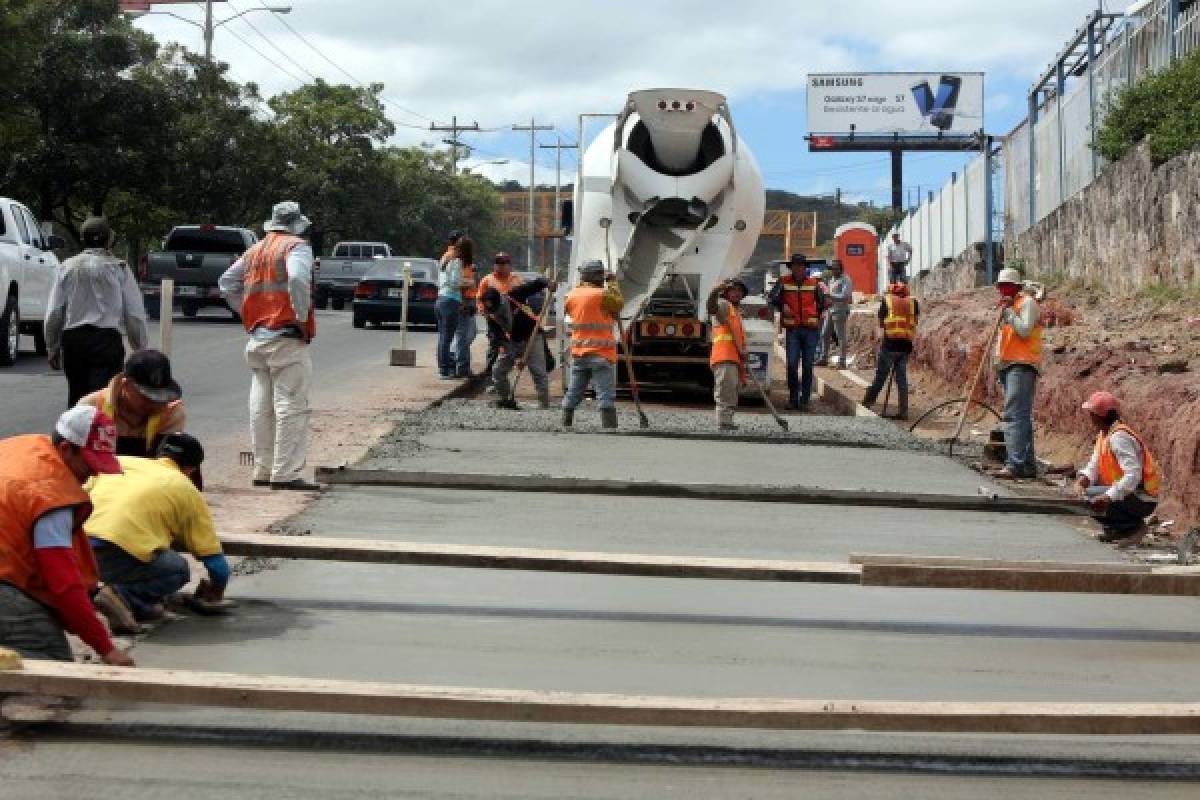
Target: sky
point(506, 62)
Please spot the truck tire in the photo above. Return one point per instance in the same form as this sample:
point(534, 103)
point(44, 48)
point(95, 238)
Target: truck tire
point(190, 308)
point(338, 303)
point(39, 339)
point(321, 300)
point(359, 321)
point(10, 331)
point(153, 304)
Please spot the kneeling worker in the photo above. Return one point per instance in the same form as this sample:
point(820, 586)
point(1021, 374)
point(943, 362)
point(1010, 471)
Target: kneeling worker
point(728, 358)
point(1121, 482)
point(592, 308)
point(141, 515)
point(46, 566)
point(144, 401)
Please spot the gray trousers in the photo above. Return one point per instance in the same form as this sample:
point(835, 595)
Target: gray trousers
point(506, 361)
point(834, 323)
point(30, 628)
point(726, 380)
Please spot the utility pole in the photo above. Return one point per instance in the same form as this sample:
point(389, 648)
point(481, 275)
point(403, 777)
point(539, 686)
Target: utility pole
point(453, 129)
point(558, 148)
point(209, 30)
point(533, 128)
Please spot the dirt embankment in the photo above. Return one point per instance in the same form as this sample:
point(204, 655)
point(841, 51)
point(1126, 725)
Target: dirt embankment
point(1146, 352)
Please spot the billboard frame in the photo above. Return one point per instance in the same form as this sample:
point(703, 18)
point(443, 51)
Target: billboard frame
point(982, 76)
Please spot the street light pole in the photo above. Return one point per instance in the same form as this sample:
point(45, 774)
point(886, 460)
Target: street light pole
point(533, 128)
point(209, 30)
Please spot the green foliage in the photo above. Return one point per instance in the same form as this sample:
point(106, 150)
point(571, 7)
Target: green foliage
point(94, 118)
point(882, 218)
point(1163, 110)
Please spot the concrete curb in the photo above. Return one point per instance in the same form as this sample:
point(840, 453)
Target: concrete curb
point(842, 402)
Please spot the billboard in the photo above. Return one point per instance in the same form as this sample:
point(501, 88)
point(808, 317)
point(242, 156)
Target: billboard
point(908, 103)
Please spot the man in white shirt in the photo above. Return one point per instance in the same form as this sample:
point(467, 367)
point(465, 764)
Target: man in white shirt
point(841, 295)
point(899, 253)
point(271, 287)
point(1121, 483)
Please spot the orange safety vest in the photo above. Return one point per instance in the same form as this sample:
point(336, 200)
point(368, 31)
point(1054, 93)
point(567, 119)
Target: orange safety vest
point(1015, 350)
point(591, 325)
point(492, 281)
point(800, 309)
point(266, 300)
point(1109, 468)
point(471, 293)
point(900, 322)
point(729, 340)
point(34, 481)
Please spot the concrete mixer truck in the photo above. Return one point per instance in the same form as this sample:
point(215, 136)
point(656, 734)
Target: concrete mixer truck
point(672, 201)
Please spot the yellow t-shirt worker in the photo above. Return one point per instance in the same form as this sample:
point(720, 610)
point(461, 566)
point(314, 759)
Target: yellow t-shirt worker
point(144, 516)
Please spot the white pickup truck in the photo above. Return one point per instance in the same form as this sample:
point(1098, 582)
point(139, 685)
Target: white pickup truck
point(27, 267)
point(339, 273)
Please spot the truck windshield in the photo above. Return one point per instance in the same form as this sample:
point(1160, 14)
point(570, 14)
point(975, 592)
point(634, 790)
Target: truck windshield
point(200, 240)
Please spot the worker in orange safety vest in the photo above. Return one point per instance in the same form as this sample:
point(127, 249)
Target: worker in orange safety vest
point(271, 287)
point(1018, 359)
point(591, 308)
point(1121, 483)
point(801, 300)
point(728, 356)
point(898, 318)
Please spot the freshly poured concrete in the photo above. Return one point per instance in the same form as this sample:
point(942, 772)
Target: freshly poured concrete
point(675, 461)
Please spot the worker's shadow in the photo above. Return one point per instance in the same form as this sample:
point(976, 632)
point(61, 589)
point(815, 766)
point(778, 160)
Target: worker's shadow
point(252, 619)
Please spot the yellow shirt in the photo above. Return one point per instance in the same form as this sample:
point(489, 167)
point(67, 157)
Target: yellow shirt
point(150, 508)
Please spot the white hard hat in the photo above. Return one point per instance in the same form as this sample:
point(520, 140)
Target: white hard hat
point(1009, 275)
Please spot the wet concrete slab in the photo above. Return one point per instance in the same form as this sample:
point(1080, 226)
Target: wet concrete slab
point(730, 463)
point(684, 527)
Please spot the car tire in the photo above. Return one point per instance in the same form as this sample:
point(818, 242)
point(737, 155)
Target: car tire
point(321, 301)
point(10, 331)
point(39, 339)
point(190, 308)
point(153, 305)
point(359, 320)
point(338, 303)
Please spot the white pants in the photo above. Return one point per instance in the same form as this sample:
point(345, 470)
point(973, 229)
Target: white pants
point(281, 372)
point(726, 384)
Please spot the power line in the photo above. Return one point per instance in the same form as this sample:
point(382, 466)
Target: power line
point(274, 46)
point(267, 58)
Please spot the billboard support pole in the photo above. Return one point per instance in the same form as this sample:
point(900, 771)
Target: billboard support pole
point(897, 179)
point(989, 257)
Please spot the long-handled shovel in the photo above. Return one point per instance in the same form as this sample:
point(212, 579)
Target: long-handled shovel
point(983, 360)
point(766, 396)
point(538, 327)
point(633, 386)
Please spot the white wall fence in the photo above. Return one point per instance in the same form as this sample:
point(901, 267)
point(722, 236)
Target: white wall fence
point(1062, 160)
point(947, 222)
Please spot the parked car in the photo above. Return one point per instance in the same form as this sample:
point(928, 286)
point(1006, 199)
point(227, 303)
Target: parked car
point(379, 296)
point(339, 274)
point(27, 268)
point(195, 256)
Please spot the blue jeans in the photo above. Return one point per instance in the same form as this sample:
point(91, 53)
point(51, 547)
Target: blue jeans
point(141, 583)
point(1019, 383)
point(888, 361)
point(801, 348)
point(447, 311)
point(464, 335)
point(603, 376)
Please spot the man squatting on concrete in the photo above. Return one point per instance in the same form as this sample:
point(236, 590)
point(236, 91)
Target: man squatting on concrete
point(1018, 359)
point(271, 287)
point(728, 356)
point(513, 333)
point(1121, 483)
point(144, 401)
point(47, 569)
point(143, 517)
point(591, 308)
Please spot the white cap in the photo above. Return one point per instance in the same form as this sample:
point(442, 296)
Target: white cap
point(90, 429)
point(1010, 275)
point(286, 218)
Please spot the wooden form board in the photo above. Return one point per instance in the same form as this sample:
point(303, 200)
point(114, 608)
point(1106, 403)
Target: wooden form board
point(696, 491)
point(180, 687)
point(881, 570)
point(516, 558)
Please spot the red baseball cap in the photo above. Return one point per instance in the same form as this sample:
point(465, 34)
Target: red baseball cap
point(90, 429)
point(1101, 403)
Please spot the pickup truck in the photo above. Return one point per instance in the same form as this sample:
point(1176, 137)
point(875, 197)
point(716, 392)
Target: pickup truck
point(27, 268)
point(338, 274)
point(195, 256)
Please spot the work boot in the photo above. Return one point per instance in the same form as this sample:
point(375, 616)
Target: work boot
point(568, 417)
point(543, 398)
point(608, 418)
point(298, 485)
point(869, 399)
point(509, 403)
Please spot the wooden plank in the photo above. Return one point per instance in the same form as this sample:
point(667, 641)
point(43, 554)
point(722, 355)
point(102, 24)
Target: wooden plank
point(992, 563)
point(1030, 580)
point(274, 693)
point(697, 491)
point(514, 558)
